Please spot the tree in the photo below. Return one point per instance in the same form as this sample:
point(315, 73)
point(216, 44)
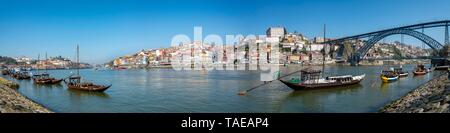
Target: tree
point(348, 50)
point(303, 49)
point(7, 60)
point(397, 53)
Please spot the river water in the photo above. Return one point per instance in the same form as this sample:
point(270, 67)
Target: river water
point(170, 91)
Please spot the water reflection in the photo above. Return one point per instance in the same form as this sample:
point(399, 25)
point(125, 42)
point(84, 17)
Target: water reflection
point(47, 86)
point(79, 93)
point(167, 90)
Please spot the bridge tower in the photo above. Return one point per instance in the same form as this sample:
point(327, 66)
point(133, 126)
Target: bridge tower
point(354, 57)
point(447, 42)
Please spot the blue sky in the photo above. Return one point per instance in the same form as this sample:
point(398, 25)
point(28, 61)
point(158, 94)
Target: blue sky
point(109, 28)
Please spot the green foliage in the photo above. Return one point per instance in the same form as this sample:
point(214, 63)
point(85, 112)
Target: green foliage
point(348, 50)
point(304, 49)
point(7, 60)
point(397, 53)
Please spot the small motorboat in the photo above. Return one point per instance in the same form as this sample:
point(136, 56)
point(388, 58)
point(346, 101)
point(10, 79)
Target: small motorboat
point(388, 76)
point(420, 70)
point(400, 72)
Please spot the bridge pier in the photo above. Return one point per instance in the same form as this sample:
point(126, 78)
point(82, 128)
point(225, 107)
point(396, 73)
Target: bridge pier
point(447, 42)
point(354, 59)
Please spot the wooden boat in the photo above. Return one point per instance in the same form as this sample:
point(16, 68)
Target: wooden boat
point(76, 84)
point(388, 76)
point(314, 79)
point(310, 80)
point(21, 75)
point(45, 77)
point(399, 71)
point(420, 70)
point(6, 72)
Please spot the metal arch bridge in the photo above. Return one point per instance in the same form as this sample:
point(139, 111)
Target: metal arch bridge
point(374, 37)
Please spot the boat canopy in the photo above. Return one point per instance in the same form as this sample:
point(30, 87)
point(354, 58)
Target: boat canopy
point(311, 75)
point(75, 77)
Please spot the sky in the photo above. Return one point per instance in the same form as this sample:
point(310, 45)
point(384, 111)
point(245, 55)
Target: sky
point(106, 29)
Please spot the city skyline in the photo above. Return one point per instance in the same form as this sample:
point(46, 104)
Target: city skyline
point(106, 30)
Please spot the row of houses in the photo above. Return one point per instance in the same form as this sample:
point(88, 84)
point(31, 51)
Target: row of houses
point(294, 47)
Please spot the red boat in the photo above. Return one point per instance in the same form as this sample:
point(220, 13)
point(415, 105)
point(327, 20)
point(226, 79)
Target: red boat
point(420, 70)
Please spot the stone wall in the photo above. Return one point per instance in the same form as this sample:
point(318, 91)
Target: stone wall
point(12, 101)
point(431, 97)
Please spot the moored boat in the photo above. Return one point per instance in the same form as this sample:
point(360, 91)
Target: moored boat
point(388, 76)
point(21, 75)
point(6, 72)
point(399, 71)
point(45, 77)
point(310, 79)
point(420, 70)
point(76, 84)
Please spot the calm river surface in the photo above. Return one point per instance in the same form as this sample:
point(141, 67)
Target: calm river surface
point(167, 90)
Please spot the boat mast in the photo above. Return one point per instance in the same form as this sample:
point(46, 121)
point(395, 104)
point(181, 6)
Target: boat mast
point(78, 60)
point(46, 62)
point(37, 63)
point(324, 47)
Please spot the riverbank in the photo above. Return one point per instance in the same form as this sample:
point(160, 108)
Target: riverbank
point(431, 97)
point(13, 102)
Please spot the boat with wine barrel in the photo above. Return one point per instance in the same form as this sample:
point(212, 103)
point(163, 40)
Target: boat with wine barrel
point(75, 82)
point(45, 78)
point(310, 79)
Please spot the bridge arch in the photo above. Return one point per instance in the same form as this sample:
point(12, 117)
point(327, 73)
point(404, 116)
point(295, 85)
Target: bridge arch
point(435, 45)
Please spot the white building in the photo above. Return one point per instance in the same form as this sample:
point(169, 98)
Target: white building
point(23, 59)
point(276, 32)
point(315, 47)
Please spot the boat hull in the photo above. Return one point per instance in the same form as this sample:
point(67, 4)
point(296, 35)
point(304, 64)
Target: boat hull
point(403, 75)
point(21, 77)
point(296, 86)
point(419, 73)
point(387, 80)
point(47, 81)
point(89, 88)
